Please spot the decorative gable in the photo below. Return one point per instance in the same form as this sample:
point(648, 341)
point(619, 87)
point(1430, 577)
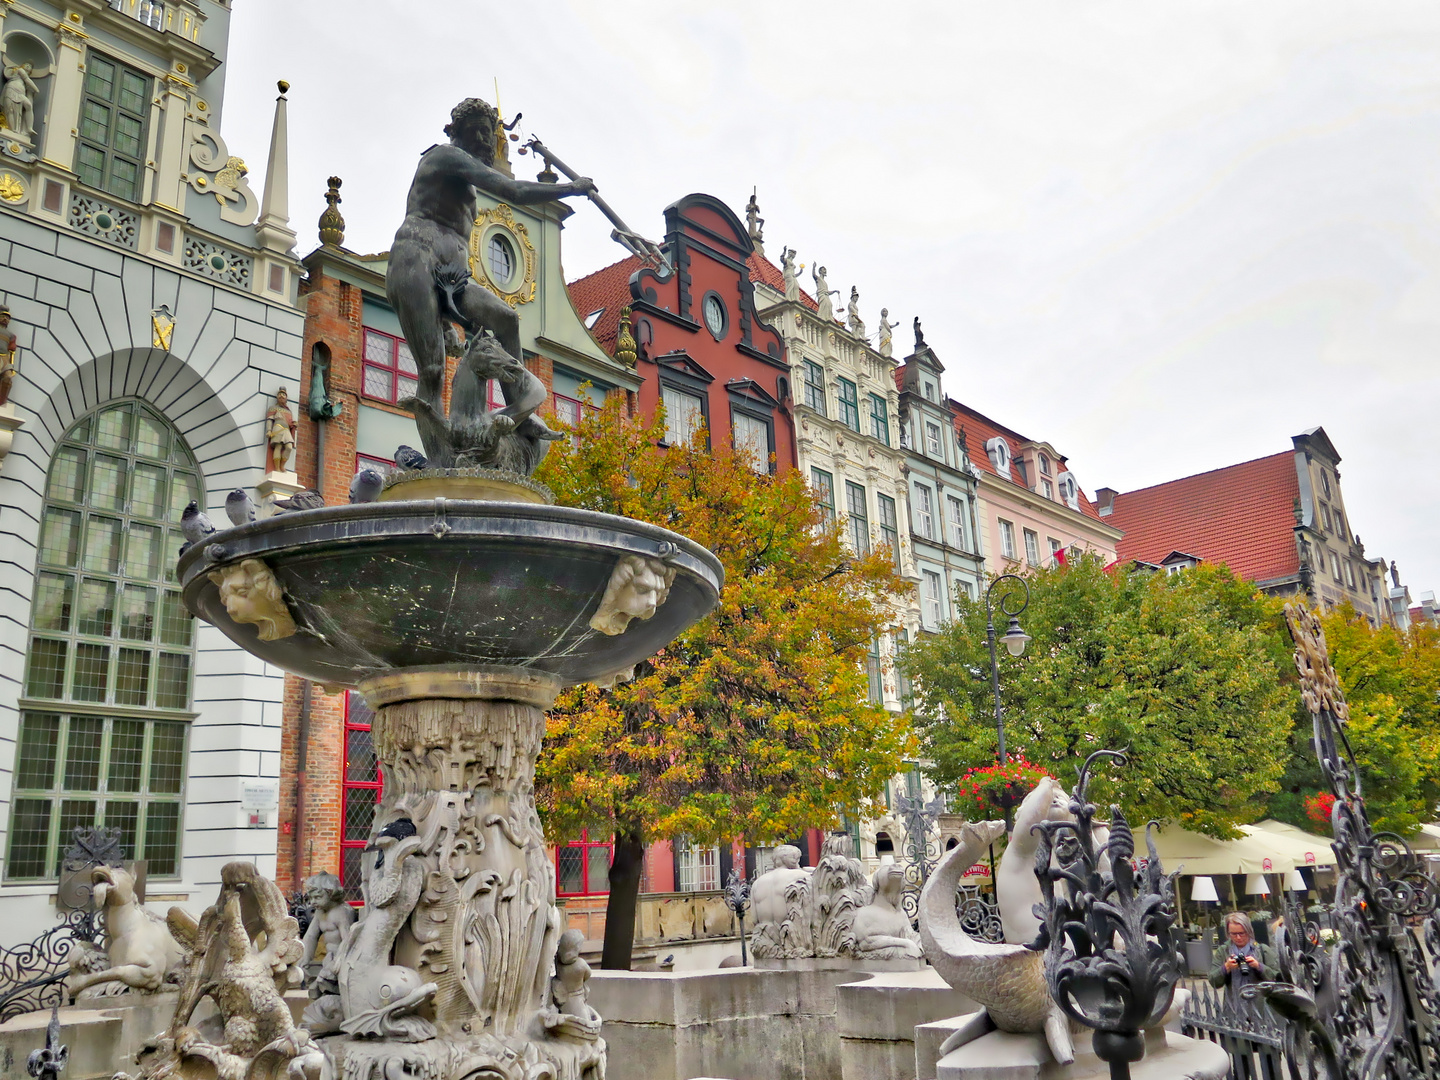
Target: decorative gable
point(751, 390)
point(682, 364)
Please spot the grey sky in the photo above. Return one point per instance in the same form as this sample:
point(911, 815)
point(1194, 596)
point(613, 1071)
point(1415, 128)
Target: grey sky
point(1165, 237)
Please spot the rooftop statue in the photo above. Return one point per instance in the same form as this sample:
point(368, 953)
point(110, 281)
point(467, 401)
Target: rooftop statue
point(428, 283)
point(887, 333)
point(824, 306)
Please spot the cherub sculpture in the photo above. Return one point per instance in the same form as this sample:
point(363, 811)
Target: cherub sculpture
point(568, 1011)
point(332, 918)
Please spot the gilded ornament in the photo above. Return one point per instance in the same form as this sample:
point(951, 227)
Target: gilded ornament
point(12, 188)
point(163, 324)
point(625, 344)
point(332, 222)
point(1319, 686)
point(503, 217)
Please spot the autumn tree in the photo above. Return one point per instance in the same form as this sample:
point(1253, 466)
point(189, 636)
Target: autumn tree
point(756, 722)
point(1188, 671)
point(1391, 680)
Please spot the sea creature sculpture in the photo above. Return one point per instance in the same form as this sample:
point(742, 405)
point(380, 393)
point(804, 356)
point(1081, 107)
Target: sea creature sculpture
point(142, 954)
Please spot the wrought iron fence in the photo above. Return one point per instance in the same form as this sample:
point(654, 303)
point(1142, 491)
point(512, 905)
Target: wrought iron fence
point(1247, 1030)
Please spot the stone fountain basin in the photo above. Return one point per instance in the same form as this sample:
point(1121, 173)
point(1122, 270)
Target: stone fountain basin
point(387, 586)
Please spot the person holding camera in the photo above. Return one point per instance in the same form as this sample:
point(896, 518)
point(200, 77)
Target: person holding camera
point(1240, 960)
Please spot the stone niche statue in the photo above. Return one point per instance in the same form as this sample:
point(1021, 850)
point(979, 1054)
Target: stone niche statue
point(18, 98)
point(280, 432)
point(429, 285)
point(882, 932)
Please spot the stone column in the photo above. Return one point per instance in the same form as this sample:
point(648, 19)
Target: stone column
point(64, 116)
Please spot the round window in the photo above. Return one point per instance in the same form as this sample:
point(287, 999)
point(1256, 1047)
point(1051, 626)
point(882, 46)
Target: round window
point(500, 257)
point(715, 316)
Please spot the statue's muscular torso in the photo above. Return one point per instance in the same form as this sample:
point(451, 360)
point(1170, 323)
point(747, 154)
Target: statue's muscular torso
point(442, 194)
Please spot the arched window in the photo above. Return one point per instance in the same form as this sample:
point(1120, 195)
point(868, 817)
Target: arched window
point(107, 682)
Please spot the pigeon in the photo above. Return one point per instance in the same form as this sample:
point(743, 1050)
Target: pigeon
point(239, 508)
point(194, 524)
point(366, 486)
point(407, 457)
point(301, 500)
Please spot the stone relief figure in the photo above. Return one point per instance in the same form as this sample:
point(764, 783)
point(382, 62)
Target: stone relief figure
point(825, 307)
point(791, 274)
point(18, 98)
point(330, 922)
point(882, 932)
point(852, 313)
point(778, 905)
point(252, 594)
point(428, 277)
point(887, 333)
point(9, 349)
point(839, 888)
point(568, 1010)
point(637, 588)
point(244, 955)
point(280, 432)
point(140, 952)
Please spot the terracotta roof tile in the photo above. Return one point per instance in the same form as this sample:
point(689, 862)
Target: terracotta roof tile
point(1241, 516)
point(980, 429)
point(606, 291)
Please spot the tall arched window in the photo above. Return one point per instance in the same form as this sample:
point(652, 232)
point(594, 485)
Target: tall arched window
point(107, 681)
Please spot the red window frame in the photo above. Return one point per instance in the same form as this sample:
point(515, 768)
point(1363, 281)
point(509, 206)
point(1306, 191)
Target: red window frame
point(357, 719)
point(584, 847)
point(383, 359)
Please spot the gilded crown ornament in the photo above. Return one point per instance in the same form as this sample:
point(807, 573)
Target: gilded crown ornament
point(332, 223)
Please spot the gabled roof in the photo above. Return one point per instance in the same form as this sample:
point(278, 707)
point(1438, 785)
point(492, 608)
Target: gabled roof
point(1242, 516)
point(980, 429)
point(607, 291)
point(749, 388)
point(681, 361)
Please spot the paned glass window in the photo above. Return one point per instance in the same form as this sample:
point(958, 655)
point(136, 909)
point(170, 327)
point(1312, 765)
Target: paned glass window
point(924, 512)
point(1007, 538)
point(1047, 489)
point(110, 153)
point(903, 686)
point(1032, 548)
point(1325, 517)
point(684, 415)
point(390, 372)
point(110, 643)
point(932, 599)
point(1349, 573)
point(582, 868)
point(1044, 465)
point(872, 671)
point(699, 867)
point(932, 441)
point(889, 526)
point(752, 434)
point(361, 785)
point(956, 521)
point(849, 405)
point(858, 520)
point(1055, 546)
point(824, 485)
point(879, 419)
point(815, 386)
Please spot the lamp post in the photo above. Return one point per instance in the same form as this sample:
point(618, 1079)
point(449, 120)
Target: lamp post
point(1015, 640)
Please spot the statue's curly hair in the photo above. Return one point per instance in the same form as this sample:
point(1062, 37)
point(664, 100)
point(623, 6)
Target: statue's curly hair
point(467, 110)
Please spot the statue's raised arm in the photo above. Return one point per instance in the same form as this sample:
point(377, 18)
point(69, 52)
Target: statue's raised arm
point(428, 279)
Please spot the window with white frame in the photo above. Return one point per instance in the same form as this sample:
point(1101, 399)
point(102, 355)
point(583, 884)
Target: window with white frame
point(932, 597)
point(1007, 538)
point(966, 586)
point(390, 373)
point(1335, 566)
point(698, 867)
point(932, 441)
point(1047, 489)
point(1044, 465)
point(956, 521)
point(824, 485)
point(753, 435)
point(1349, 573)
point(815, 386)
point(1032, 548)
point(684, 415)
point(924, 512)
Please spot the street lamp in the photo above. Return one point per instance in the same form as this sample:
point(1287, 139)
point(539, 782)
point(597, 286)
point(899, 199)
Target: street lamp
point(1015, 640)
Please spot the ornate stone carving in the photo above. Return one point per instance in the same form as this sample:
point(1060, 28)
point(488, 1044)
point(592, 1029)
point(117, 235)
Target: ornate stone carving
point(17, 100)
point(244, 955)
point(9, 352)
point(838, 889)
point(568, 1011)
point(89, 215)
point(280, 432)
point(141, 953)
point(886, 334)
point(252, 594)
point(802, 913)
point(882, 932)
point(637, 588)
point(213, 261)
point(226, 179)
point(330, 919)
point(852, 313)
point(778, 904)
point(520, 287)
point(791, 275)
point(825, 307)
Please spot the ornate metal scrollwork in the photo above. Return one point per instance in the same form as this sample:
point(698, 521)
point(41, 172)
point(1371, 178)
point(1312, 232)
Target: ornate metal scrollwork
point(922, 847)
point(1113, 951)
point(1368, 1007)
point(737, 899)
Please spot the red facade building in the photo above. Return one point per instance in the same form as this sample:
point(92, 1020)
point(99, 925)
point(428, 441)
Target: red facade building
point(701, 346)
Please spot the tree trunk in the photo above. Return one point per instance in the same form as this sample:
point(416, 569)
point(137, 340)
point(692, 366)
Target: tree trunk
point(625, 868)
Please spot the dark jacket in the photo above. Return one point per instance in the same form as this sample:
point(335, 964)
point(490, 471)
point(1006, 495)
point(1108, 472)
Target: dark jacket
point(1269, 964)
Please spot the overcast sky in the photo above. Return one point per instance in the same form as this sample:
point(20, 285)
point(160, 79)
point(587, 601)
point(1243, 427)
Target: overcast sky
point(1165, 237)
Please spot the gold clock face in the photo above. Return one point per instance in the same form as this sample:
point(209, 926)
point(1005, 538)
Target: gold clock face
point(501, 256)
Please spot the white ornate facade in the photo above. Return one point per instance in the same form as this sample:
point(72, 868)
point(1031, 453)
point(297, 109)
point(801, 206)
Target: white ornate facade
point(152, 295)
point(847, 428)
